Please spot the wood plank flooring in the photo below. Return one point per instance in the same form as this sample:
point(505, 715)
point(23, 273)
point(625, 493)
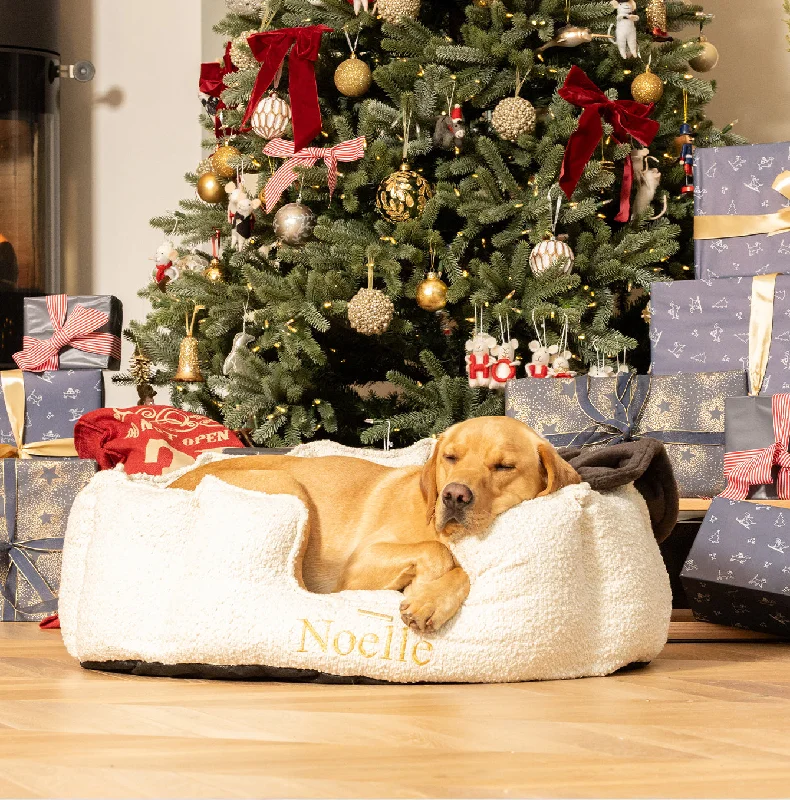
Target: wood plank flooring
point(704, 720)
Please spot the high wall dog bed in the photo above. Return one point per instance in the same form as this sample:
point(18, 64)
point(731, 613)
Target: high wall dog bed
point(563, 586)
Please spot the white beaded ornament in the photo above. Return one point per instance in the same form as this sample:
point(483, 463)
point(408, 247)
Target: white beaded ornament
point(271, 117)
point(547, 253)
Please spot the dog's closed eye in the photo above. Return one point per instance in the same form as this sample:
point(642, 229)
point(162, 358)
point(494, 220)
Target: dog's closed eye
point(504, 467)
point(451, 458)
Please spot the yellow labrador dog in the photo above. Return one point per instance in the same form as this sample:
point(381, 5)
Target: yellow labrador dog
point(377, 527)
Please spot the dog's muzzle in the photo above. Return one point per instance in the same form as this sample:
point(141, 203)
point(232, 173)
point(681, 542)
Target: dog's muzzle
point(457, 498)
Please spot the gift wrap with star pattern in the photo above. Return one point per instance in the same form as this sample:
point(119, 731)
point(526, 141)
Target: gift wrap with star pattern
point(686, 412)
point(738, 570)
point(737, 181)
point(54, 401)
point(36, 496)
point(703, 326)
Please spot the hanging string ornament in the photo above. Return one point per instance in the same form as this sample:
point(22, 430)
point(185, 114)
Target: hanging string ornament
point(561, 361)
point(240, 54)
point(552, 251)
point(164, 268)
point(709, 57)
point(188, 359)
point(370, 311)
point(225, 160)
point(623, 369)
point(214, 271)
point(432, 291)
point(647, 87)
point(395, 11)
point(353, 76)
point(514, 115)
point(404, 194)
point(237, 363)
point(542, 353)
point(271, 117)
point(600, 369)
point(293, 224)
point(503, 368)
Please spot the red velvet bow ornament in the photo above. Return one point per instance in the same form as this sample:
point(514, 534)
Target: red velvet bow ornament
point(627, 118)
point(271, 48)
point(212, 83)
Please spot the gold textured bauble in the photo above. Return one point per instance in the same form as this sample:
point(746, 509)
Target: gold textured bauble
point(512, 117)
point(221, 160)
point(293, 224)
point(271, 116)
point(214, 271)
point(656, 13)
point(403, 195)
point(188, 362)
point(210, 188)
point(240, 54)
point(432, 293)
point(647, 88)
point(370, 311)
point(353, 77)
point(203, 167)
point(545, 254)
point(396, 10)
point(707, 59)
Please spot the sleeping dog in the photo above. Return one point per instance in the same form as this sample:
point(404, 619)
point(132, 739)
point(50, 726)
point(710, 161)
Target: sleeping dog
point(377, 527)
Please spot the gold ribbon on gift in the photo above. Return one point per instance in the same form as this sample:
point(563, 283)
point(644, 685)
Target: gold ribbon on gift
point(728, 227)
point(13, 384)
point(761, 324)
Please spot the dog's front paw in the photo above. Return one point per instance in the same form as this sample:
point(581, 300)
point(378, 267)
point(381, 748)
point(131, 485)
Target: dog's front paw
point(425, 613)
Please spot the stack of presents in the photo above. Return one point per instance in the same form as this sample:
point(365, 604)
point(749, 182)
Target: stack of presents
point(718, 394)
point(68, 343)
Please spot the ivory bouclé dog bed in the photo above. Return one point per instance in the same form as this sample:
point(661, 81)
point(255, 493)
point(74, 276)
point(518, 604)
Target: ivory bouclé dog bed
point(563, 586)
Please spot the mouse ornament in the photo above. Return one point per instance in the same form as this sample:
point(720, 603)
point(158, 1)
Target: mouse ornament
point(542, 355)
point(647, 180)
point(561, 365)
point(503, 367)
point(164, 269)
point(625, 32)
point(243, 221)
point(478, 358)
point(450, 130)
point(235, 191)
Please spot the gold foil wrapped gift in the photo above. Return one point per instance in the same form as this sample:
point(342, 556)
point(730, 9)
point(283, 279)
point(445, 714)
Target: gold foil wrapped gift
point(685, 412)
point(36, 496)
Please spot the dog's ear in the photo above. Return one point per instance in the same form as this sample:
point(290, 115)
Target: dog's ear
point(559, 472)
point(428, 482)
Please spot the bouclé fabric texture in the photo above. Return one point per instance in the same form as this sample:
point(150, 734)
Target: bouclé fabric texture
point(563, 586)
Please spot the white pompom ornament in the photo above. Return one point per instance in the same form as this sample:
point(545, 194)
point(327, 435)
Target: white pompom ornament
point(370, 311)
point(271, 117)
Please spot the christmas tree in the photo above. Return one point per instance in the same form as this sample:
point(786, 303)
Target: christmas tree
point(479, 181)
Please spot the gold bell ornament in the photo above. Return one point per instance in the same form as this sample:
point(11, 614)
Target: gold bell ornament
point(552, 251)
point(370, 311)
point(224, 161)
point(432, 292)
point(647, 88)
point(514, 115)
point(210, 188)
point(403, 194)
point(353, 76)
point(188, 361)
point(214, 271)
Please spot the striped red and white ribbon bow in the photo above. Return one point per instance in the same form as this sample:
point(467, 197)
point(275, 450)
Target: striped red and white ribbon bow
point(79, 331)
point(746, 468)
point(351, 150)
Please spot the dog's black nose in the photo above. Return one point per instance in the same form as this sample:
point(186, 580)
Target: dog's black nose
point(457, 496)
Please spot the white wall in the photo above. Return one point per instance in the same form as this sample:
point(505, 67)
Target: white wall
point(127, 140)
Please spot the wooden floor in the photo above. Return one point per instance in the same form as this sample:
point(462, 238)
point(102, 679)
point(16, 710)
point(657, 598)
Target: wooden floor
point(705, 720)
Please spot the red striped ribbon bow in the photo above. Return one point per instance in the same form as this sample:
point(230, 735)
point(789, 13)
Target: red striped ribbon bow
point(747, 468)
point(351, 150)
point(79, 331)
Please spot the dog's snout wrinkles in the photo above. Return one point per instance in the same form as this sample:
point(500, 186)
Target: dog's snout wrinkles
point(456, 495)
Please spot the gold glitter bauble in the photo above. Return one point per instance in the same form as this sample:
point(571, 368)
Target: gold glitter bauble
point(707, 59)
point(647, 88)
point(188, 362)
point(656, 13)
point(214, 271)
point(221, 161)
point(512, 117)
point(403, 195)
point(271, 116)
point(545, 254)
point(432, 293)
point(353, 77)
point(370, 311)
point(396, 10)
point(210, 189)
point(293, 224)
point(240, 54)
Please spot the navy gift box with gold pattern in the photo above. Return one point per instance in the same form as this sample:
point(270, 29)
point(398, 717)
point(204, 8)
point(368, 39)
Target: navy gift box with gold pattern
point(686, 412)
point(36, 496)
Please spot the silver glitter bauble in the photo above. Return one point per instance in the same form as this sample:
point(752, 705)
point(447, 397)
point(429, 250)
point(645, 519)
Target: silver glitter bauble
point(547, 252)
point(240, 54)
point(271, 117)
point(245, 8)
point(396, 10)
point(370, 311)
point(512, 117)
point(293, 224)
